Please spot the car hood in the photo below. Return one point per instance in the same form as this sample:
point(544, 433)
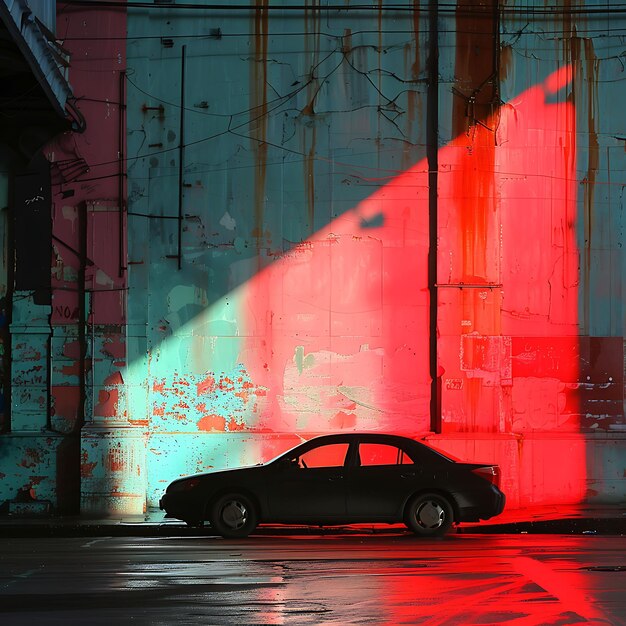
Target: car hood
point(214, 472)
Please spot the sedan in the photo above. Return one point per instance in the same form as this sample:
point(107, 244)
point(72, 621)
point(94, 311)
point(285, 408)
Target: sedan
point(342, 479)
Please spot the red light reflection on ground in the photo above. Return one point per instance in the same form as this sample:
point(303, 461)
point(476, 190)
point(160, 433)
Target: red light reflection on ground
point(534, 594)
point(452, 582)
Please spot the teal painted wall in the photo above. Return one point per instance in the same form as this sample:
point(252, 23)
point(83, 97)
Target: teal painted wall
point(289, 122)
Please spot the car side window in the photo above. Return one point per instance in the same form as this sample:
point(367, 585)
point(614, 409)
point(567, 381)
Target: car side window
point(331, 455)
point(382, 454)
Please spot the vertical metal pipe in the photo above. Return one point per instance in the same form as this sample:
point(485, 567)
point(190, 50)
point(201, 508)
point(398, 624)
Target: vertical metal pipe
point(49, 298)
point(82, 317)
point(49, 375)
point(120, 173)
point(5, 425)
point(181, 155)
point(496, 57)
point(432, 155)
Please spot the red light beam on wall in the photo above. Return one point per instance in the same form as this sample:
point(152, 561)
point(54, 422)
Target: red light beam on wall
point(338, 328)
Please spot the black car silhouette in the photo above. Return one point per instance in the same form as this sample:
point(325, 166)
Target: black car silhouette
point(342, 479)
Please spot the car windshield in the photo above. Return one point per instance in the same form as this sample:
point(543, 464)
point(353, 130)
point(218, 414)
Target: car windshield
point(285, 453)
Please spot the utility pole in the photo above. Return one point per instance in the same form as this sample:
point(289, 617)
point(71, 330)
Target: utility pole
point(432, 155)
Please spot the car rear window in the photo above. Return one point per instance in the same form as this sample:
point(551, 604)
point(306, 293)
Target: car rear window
point(382, 454)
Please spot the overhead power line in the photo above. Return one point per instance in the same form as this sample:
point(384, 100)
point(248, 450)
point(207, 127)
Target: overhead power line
point(616, 31)
point(477, 9)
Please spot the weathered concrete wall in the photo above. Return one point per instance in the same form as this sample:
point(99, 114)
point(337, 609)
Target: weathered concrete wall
point(301, 302)
point(290, 311)
point(68, 356)
point(246, 260)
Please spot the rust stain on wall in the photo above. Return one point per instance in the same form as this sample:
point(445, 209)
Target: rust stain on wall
point(346, 42)
point(415, 68)
point(473, 102)
point(474, 189)
point(309, 138)
point(506, 61)
point(413, 62)
point(309, 176)
point(258, 111)
point(474, 64)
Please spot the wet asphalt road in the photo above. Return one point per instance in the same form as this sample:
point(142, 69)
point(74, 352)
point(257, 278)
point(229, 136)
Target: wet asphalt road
point(520, 580)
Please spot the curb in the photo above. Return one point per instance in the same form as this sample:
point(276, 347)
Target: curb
point(62, 528)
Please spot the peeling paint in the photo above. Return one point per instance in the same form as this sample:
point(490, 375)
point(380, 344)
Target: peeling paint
point(33, 457)
point(212, 423)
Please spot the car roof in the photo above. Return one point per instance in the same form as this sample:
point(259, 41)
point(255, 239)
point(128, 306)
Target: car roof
point(401, 441)
point(362, 436)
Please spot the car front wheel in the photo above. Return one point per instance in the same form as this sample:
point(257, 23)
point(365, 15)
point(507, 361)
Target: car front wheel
point(233, 515)
point(429, 515)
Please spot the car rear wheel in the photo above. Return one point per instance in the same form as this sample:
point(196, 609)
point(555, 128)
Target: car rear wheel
point(233, 515)
point(429, 515)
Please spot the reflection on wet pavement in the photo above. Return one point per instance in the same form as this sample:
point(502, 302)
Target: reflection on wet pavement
point(460, 580)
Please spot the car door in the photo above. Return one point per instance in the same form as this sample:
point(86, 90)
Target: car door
point(379, 480)
point(310, 487)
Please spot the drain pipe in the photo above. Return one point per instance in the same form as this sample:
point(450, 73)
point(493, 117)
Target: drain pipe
point(120, 173)
point(432, 155)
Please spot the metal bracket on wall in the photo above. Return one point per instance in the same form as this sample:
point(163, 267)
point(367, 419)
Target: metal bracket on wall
point(469, 285)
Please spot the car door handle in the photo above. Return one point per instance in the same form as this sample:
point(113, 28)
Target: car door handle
point(408, 475)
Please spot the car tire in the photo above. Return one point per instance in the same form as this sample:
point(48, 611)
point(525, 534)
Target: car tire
point(233, 515)
point(429, 515)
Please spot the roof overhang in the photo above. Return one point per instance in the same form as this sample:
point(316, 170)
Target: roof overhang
point(34, 90)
